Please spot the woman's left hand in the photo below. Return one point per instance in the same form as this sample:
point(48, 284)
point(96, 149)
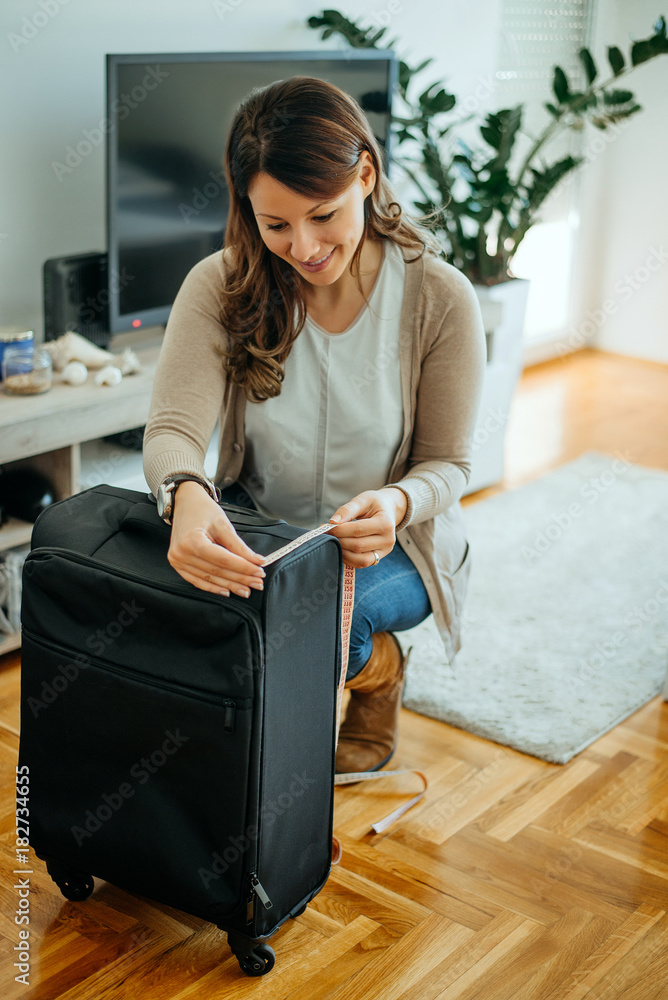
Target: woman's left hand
point(367, 523)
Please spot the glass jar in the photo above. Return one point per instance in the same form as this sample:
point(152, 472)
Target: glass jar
point(14, 336)
point(25, 372)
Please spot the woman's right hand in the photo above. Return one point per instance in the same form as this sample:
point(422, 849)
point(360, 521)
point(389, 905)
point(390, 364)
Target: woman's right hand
point(206, 550)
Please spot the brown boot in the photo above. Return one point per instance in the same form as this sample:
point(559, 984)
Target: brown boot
point(369, 731)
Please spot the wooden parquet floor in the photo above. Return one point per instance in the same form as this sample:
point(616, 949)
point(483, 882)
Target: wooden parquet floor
point(513, 878)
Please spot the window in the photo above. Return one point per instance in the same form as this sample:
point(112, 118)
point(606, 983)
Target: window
point(533, 39)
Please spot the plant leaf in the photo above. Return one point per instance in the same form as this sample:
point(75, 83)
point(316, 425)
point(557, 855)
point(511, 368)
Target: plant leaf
point(641, 52)
point(617, 96)
point(328, 17)
point(616, 59)
point(434, 167)
point(508, 122)
point(490, 136)
point(374, 38)
point(406, 121)
point(589, 65)
point(658, 44)
point(433, 104)
point(423, 64)
point(560, 85)
point(492, 130)
point(618, 114)
point(545, 181)
point(551, 108)
point(580, 102)
point(404, 76)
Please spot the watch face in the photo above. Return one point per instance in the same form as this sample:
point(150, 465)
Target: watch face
point(162, 500)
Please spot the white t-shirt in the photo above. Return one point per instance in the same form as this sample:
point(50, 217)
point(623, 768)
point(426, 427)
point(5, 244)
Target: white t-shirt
point(338, 421)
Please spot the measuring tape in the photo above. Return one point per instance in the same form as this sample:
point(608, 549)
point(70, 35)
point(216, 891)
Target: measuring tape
point(346, 622)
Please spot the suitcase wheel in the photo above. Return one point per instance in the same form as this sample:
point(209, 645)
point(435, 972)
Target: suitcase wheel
point(302, 909)
point(255, 958)
point(74, 885)
point(77, 889)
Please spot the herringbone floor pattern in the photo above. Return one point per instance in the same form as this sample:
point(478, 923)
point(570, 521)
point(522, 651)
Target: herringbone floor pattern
point(513, 878)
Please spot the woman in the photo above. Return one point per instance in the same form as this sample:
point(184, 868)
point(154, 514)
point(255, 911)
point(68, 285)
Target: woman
point(344, 360)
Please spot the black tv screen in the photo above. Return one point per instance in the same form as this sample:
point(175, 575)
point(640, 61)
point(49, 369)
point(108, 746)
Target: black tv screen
point(168, 117)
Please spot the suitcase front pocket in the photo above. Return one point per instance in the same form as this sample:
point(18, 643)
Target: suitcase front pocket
point(140, 783)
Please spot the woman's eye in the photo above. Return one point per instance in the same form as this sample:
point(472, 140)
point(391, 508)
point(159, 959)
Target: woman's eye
point(278, 227)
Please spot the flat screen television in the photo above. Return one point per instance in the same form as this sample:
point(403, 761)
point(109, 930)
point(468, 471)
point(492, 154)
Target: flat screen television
point(168, 120)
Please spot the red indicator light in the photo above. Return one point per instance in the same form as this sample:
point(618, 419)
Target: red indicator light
point(136, 322)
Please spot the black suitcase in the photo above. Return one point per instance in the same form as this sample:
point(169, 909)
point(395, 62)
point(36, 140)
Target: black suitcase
point(177, 743)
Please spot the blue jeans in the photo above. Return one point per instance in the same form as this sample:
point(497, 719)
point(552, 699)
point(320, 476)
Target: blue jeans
point(389, 597)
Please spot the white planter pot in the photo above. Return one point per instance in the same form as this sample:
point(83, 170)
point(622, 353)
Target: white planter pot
point(503, 310)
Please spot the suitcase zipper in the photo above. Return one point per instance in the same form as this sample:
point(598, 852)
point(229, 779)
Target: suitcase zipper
point(240, 608)
point(256, 890)
point(230, 706)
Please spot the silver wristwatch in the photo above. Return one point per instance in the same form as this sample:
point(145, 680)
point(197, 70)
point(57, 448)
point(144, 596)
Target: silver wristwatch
point(167, 489)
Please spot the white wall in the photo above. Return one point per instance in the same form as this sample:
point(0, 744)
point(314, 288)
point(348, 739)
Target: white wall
point(52, 85)
point(623, 303)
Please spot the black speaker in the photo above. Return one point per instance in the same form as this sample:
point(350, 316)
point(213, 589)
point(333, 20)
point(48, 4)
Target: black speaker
point(76, 297)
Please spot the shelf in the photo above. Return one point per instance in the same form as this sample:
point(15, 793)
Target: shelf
point(14, 533)
point(66, 415)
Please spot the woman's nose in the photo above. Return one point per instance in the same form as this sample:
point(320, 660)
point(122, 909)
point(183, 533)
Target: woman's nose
point(304, 247)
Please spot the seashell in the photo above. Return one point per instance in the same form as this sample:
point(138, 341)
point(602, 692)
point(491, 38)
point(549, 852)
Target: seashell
point(109, 375)
point(73, 347)
point(75, 372)
point(128, 362)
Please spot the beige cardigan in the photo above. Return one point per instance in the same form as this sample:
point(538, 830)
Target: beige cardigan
point(442, 355)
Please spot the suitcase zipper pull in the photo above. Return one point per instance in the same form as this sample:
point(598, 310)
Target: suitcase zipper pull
point(229, 716)
point(258, 889)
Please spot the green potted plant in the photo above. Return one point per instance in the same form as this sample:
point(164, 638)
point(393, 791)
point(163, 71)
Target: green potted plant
point(484, 199)
point(483, 227)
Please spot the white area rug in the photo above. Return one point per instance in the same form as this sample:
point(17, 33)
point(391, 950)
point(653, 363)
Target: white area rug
point(565, 628)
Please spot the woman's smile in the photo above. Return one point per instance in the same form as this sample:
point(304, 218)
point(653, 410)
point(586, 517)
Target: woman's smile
point(317, 265)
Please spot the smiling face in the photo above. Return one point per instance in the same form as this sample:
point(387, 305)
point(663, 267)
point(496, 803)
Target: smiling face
point(317, 237)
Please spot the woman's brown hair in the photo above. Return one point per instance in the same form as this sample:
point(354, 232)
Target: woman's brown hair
point(309, 135)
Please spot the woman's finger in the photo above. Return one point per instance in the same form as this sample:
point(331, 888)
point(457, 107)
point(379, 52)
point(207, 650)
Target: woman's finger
point(215, 557)
point(367, 544)
point(219, 544)
point(214, 573)
point(201, 583)
point(207, 579)
point(221, 530)
point(213, 565)
point(204, 573)
point(361, 558)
